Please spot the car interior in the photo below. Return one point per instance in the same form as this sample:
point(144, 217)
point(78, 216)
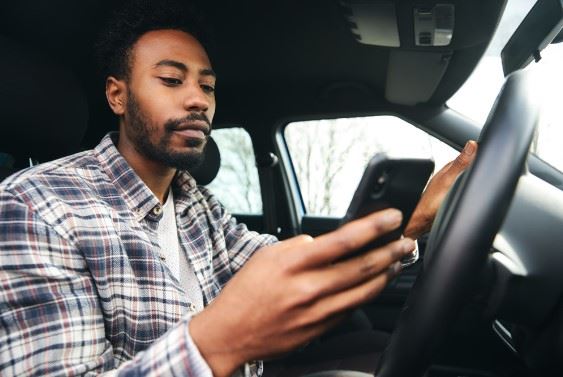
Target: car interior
point(486, 297)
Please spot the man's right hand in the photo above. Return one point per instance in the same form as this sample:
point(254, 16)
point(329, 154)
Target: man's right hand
point(293, 291)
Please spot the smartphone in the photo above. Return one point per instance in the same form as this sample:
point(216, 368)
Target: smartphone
point(389, 183)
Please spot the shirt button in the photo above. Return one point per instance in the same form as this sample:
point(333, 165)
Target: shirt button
point(157, 210)
point(162, 257)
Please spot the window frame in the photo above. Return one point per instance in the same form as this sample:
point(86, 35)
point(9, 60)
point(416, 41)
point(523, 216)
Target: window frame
point(286, 160)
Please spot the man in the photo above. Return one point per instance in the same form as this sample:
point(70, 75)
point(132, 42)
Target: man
point(107, 255)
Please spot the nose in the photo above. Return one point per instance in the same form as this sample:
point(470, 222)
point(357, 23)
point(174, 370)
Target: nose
point(195, 99)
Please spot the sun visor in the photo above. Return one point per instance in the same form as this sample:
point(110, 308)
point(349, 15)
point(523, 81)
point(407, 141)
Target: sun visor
point(413, 76)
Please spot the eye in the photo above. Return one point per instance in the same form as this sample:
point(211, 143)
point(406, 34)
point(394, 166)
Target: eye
point(171, 81)
point(208, 88)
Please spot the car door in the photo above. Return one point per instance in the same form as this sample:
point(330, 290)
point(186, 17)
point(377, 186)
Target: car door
point(326, 159)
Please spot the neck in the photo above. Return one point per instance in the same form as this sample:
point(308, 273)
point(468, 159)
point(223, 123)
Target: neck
point(156, 176)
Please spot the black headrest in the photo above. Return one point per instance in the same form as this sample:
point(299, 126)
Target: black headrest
point(6, 165)
point(207, 171)
point(43, 111)
point(6, 172)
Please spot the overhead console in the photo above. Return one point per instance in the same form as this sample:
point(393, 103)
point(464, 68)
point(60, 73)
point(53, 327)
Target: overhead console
point(375, 23)
point(422, 37)
point(412, 75)
point(434, 26)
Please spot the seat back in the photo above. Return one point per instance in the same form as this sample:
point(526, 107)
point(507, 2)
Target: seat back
point(43, 111)
point(207, 171)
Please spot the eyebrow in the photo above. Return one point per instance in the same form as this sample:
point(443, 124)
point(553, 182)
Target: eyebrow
point(182, 67)
point(207, 72)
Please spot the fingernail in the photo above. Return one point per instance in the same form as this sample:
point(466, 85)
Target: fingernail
point(393, 216)
point(469, 148)
point(396, 268)
point(408, 246)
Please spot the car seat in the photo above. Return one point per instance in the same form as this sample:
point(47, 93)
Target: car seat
point(207, 171)
point(43, 108)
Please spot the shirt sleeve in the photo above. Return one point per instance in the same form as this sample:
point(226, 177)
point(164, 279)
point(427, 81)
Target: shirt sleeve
point(50, 317)
point(241, 242)
point(174, 354)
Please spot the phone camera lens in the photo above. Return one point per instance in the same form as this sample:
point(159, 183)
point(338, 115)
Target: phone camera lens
point(380, 183)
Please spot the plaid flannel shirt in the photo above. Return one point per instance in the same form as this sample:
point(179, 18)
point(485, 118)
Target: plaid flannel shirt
point(82, 288)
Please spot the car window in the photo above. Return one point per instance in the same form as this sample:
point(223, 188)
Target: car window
point(549, 78)
point(329, 156)
point(237, 185)
point(476, 97)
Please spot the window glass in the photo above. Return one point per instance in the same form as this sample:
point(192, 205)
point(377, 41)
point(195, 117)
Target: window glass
point(329, 156)
point(548, 74)
point(237, 185)
point(476, 97)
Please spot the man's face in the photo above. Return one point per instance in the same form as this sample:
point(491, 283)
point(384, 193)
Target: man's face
point(170, 99)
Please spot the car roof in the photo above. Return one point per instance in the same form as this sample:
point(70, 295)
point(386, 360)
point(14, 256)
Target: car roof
point(280, 59)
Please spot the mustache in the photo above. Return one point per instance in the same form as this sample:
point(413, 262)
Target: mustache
point(175, 124)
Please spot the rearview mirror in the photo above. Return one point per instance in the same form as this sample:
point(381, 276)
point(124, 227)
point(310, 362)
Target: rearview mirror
point(540, 27)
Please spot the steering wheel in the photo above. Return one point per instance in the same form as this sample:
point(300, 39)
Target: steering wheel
point(462, 234)
point(464, 230)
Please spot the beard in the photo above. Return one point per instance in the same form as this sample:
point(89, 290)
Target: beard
point(141, 132)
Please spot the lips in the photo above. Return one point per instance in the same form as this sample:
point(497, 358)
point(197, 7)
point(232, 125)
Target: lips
point(191, 133)
point(192, 130)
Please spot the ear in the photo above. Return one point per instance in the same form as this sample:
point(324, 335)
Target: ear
point(116, 94)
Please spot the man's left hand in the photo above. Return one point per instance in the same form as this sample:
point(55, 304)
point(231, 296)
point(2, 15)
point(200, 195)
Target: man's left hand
point(436, 191)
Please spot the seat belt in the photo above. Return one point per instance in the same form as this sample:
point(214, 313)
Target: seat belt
point(266, 166)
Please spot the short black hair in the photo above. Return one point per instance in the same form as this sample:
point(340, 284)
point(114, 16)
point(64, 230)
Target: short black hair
point(132, 20)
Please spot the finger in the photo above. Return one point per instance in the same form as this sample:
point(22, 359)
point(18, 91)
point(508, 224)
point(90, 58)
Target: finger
point(301, 335)
point(282, 248)
point(309, 332)
point(466, 156)
point(294, 242)
point(349, 273)
point(351, 298)
point(350, 237)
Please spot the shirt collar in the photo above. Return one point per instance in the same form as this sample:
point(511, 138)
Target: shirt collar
point(185, 191)
point(133, 190)
point(139, 198)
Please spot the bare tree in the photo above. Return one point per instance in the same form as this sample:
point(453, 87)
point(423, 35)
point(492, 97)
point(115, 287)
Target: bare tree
point(320, 153)
point(237, 184)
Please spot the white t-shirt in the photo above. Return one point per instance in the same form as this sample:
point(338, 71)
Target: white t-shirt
point(176, 260)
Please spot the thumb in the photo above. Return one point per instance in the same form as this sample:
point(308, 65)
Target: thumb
point(466, 156)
